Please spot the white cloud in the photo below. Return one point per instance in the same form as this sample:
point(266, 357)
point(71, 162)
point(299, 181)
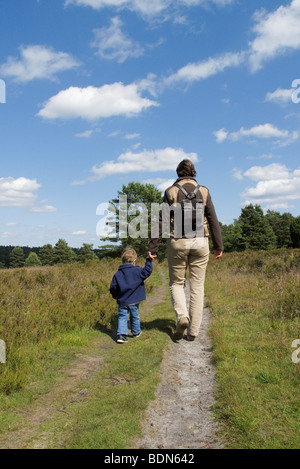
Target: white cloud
point(265, 131)
point(265, 156)
point(221, 3)
point(37, 62)
point(136, 146)
point(147, 8)
point(132, 136)
point(146, 161)
point(160, 183)
point(237, 174)
point(79, 233)
point(85, 134)
point(44, 209)
point(280, 96)
point(276, 33)
point(113, 44)
point(116, 133)
point(221, 135)
point(164, 185)
point(18, 192)
point(95, 103)
point(148, 84)
point(143, 7)
point(205, 69)
point(6, 235)
point(276, 186)
point(21, 193)
point(268, 173)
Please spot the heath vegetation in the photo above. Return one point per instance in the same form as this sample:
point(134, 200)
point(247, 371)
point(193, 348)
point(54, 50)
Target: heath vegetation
point(255, 301)
point(39, 303)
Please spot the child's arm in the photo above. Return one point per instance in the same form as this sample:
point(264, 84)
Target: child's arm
point(114, 288)
point(147, 270)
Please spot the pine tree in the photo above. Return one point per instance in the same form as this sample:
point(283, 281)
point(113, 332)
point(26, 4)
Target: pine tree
point(63, 254)
point(281, 225)
point(295, 232)
point(233, 238)
point(86, 253)
point(256, 229)
point(17, 257)
point(47, 254)
point(138, 194)
point(32, 260)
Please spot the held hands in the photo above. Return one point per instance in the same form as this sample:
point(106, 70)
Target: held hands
point(151, 255)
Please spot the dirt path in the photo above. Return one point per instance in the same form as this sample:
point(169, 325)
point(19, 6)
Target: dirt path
point(181, 416)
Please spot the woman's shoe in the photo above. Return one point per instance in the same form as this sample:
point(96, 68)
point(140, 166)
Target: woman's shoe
point(190, 338)
point(182, 325)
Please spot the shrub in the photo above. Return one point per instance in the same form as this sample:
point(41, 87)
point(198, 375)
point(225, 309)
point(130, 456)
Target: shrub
point(288, 303)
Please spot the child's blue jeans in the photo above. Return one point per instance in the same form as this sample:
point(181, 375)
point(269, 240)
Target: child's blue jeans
point(135, 324)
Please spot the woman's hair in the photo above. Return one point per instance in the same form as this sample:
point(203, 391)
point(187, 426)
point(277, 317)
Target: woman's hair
point(186, 169)
point(129, 256)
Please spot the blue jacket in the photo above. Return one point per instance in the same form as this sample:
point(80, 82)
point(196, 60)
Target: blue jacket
point(127, 286)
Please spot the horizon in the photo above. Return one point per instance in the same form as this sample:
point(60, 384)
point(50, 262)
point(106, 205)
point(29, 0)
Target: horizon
point(94, 96)
point(136, 227)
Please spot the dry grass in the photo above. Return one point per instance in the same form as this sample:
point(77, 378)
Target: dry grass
point(255, 300)
point(37, 304)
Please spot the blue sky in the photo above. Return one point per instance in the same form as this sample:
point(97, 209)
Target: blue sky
point(99, 93)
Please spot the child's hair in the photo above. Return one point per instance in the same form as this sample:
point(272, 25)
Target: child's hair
point(129, 256)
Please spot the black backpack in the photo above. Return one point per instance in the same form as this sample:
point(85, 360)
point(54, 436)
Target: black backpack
point(192, 209)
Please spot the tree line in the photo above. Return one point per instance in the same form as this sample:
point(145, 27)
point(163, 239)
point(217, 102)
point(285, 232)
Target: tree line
point(253, 230)
point(61, 253)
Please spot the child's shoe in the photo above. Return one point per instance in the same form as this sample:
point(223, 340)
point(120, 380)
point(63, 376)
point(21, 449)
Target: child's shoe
point(137, 335)
point(122, 339)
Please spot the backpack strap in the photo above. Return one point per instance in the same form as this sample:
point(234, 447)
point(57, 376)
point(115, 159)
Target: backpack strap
point(191, 195)
point(182, 189)
point(196, 191)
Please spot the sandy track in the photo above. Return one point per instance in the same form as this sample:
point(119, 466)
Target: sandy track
point(181, 416)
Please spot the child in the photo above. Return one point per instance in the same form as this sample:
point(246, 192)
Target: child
point(128, 288)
